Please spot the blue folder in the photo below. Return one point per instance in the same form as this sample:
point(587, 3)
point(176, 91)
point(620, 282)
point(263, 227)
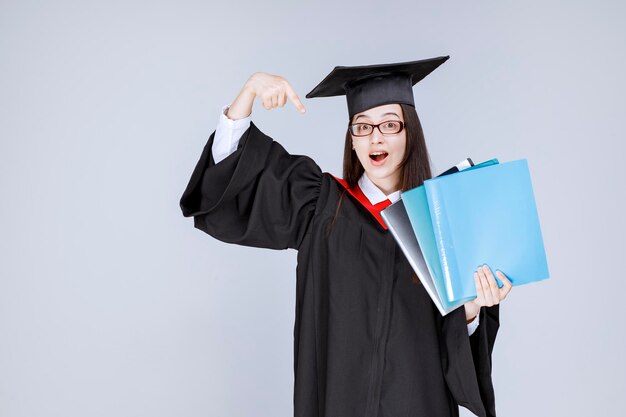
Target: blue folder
point(484, 214)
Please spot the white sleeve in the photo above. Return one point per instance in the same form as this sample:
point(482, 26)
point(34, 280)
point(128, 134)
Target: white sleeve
point(471, 327)
point(227, 135)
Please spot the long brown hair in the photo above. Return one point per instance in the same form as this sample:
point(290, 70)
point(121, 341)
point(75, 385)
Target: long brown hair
point(415, 167)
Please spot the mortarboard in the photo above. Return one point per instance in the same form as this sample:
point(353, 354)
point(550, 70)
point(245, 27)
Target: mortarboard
point(368, 86)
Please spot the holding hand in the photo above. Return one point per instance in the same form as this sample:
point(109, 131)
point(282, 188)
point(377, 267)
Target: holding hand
point(273, 91)
point(487, 291)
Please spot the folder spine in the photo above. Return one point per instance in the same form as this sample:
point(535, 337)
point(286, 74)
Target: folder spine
point(445, 245)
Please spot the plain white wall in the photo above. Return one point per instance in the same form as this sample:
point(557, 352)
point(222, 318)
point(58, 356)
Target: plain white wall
point(112, 304)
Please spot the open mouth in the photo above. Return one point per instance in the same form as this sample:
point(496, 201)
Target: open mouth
point(378, 156)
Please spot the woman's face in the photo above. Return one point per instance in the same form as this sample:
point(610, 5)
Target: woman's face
point(384, 169)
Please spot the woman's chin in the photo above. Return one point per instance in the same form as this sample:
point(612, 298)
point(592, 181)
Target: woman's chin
point(382, 174)
point(376, 174)
point(379, 172)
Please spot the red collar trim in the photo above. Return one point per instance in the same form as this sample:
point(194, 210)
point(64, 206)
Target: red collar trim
point(374, 209)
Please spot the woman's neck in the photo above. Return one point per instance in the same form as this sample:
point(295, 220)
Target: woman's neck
point(386, 185)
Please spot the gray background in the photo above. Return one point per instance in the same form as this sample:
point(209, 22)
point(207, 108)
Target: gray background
point(112, 304)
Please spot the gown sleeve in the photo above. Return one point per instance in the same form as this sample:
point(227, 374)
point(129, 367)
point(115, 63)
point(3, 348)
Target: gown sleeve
point(466, 361)
point(260, 195)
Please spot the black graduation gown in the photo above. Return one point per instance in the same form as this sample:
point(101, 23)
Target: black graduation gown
point(368, 342)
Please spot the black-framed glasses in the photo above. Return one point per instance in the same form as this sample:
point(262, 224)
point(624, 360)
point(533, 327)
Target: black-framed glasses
point(388, 127)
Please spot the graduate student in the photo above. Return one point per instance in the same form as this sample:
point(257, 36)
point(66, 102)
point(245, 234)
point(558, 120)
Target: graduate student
point(368, 340)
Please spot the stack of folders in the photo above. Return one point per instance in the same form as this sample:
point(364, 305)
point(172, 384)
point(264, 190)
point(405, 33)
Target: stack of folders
point(469, 216)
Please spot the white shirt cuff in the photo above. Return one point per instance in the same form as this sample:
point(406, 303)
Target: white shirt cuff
point(471, 327)
point(227, 135)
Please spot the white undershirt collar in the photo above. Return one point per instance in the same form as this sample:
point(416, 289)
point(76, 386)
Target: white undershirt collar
point(373, 193)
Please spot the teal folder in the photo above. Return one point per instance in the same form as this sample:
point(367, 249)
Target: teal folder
point(484, 214)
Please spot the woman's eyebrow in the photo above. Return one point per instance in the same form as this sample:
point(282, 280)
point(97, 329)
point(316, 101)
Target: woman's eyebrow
point(386, 114)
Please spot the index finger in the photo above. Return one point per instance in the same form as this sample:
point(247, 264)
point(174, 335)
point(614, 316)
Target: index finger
point(295, 99)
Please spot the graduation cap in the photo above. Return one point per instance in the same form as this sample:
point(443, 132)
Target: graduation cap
point(368, 86)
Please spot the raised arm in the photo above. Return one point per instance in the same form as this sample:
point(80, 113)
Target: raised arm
point(235, 119)
point(258, 194)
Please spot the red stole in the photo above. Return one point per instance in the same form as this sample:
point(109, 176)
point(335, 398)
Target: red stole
point(374, 209)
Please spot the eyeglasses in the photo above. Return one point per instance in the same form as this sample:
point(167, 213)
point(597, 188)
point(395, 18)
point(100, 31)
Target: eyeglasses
point(388, 127)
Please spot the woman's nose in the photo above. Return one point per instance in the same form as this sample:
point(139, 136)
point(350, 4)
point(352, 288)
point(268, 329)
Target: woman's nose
point(376, 136)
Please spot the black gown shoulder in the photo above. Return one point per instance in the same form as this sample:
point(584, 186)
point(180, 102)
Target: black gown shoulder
point(368, 341)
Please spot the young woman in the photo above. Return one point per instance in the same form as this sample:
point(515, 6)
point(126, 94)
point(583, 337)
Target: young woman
point(368, 341)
